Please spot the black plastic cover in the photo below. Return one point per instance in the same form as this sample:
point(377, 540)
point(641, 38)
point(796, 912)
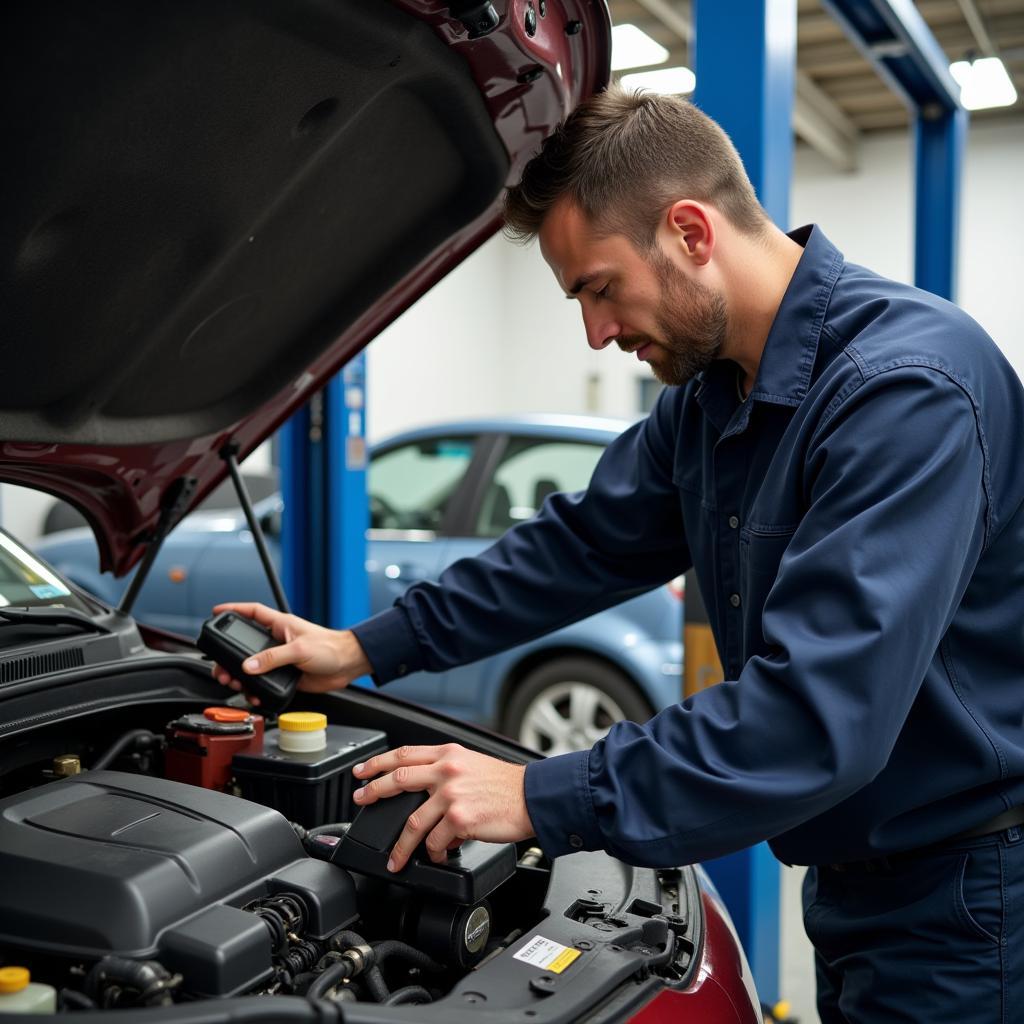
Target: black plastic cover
point(471, 873)
point(109, 862)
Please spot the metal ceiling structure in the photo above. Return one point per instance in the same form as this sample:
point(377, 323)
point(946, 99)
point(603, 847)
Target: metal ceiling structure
point(840, 96)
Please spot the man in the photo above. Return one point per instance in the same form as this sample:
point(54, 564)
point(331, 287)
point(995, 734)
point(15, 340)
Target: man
point(837, 457)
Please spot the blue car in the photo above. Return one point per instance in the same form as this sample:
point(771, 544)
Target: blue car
point(437, 494)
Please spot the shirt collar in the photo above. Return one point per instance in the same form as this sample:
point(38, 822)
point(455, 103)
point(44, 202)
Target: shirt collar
point(787, 362)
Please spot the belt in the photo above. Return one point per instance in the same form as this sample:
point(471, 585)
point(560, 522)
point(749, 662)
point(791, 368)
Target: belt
point(1000, 823)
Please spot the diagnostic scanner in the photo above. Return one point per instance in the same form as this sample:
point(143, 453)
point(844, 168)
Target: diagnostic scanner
point(229, 639)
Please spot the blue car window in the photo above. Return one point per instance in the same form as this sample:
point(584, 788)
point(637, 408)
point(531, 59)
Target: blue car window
point(410, 486)
point(529, 471)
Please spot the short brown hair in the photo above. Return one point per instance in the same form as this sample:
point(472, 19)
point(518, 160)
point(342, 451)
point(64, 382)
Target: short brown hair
point(623, 158)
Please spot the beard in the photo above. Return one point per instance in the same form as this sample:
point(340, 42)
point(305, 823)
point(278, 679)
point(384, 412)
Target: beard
point(692, 322)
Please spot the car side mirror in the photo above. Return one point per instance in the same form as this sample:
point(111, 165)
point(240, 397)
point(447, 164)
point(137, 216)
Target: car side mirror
point(270, 523)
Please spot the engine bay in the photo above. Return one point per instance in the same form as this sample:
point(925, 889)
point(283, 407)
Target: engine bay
point(166, 850)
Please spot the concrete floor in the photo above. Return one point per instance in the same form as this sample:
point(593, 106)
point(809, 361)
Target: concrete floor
point(796, 983)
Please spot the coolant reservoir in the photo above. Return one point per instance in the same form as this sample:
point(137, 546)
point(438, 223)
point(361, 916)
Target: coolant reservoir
point(20, 994)
point(301, 732)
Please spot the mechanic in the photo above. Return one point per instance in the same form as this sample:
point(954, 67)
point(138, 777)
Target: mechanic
point(838, 457)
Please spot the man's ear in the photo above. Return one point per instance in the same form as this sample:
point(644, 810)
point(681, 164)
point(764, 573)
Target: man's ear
point(692, 230)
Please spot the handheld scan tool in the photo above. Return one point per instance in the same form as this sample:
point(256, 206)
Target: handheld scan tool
point(229, 639)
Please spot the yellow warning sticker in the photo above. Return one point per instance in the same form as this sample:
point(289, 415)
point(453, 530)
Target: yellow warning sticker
point(547, 955)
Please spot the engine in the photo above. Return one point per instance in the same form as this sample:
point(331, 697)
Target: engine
point(144, 886)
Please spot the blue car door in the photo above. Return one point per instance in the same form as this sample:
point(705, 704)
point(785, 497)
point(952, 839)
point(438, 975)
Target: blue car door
point(522, 471)
point(414, 488)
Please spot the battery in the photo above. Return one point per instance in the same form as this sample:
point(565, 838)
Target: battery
point(312, 788)
point(200, 746)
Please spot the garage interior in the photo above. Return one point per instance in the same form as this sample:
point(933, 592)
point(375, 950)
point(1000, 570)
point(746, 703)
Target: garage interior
point(495, 339)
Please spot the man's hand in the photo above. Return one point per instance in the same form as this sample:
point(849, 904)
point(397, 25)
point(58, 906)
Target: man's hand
point(472, 796)
point(329, 659)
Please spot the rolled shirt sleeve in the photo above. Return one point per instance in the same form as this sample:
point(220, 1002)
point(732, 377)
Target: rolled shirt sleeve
point(897, 517)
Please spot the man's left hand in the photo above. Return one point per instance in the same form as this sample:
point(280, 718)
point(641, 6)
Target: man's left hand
point(472, 796)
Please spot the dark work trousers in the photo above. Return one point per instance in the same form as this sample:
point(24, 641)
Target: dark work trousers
point(933, 937)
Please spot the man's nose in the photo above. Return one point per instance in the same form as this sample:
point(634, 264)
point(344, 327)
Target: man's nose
point(601, 331)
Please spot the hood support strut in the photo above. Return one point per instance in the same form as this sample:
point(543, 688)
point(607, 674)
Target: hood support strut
point(176, 500)
point(229, 453)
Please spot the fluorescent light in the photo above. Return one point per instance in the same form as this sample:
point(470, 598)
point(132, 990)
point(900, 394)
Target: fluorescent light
point(671, 81)
point(634, 48)
point(983, 83)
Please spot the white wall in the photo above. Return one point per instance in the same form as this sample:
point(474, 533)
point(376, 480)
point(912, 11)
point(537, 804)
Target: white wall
point(869, 215)
point(497, 336)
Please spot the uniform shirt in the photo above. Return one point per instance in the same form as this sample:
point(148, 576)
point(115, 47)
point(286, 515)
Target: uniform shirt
point(857, 529)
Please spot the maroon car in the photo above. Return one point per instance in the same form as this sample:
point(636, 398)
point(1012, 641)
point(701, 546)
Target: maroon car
point(209, 206)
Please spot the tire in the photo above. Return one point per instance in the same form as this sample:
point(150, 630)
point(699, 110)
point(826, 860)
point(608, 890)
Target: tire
point(541, 707)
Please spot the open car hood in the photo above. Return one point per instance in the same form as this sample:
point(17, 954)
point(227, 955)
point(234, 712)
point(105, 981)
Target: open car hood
point(210, 206)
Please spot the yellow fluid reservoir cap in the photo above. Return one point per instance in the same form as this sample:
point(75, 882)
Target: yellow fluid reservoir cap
point(13, 979)
point(301, 721)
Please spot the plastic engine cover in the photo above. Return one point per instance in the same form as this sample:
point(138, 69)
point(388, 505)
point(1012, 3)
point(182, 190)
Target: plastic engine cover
point(112, 863)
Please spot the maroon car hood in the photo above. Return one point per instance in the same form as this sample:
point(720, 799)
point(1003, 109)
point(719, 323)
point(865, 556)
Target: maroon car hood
point(209, 206)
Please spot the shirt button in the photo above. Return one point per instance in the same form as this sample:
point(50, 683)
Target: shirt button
point(575, 841)
point(402, 669)
point(734, 522)
point(734, 600)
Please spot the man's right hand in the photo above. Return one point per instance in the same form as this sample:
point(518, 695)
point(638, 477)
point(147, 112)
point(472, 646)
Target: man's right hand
point(329, 659)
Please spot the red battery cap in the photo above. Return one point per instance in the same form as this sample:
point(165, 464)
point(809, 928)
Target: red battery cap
point(226, 714)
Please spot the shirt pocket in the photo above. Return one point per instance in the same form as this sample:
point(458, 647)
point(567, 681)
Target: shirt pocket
point(761, 551)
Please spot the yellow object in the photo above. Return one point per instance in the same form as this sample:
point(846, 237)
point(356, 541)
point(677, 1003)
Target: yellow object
point(781, 1009)
point(302, 721)
point(14, 979)
point(702, 667)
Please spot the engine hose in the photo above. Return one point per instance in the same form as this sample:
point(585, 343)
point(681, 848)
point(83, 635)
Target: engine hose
point(409, 994)
point(151, 980)
point(371, 975)
point(394, 948)
point(278, 938)
point(339, 828)
point(70, 999)
point(283, 914)
point(376, 984)
point(120, 746)
point(329, 977)
point(303, 956)
point(345, 939)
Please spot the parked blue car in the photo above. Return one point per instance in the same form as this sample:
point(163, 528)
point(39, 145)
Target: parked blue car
point(437, 494)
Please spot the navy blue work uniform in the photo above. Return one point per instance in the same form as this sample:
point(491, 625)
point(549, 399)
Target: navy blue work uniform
point(857, 529)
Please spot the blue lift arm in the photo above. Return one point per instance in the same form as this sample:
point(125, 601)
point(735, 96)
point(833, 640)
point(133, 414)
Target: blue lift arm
point(894, 37)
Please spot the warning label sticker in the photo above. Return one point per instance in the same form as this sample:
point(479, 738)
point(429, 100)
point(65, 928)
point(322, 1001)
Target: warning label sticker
point(547, 955)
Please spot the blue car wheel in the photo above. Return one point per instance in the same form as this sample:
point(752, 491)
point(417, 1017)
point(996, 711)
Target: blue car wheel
point(570, 703)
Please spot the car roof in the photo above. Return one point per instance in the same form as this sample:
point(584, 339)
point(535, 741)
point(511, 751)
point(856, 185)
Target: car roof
point(600, 429)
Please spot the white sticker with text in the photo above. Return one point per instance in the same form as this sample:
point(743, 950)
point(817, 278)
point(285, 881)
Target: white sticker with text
point(547, 955)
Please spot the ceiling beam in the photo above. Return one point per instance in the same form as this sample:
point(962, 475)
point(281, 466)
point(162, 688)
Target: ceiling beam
point(823, 125)
point(816, 118)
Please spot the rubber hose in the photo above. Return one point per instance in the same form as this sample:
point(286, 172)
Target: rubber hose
point(409, 994)
point(119, 747)
point(394, 948)
point(330, 977)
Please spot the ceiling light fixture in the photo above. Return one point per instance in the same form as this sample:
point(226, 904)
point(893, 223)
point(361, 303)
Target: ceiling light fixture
point(983, 83)
point(634, 48)
point(670, 81)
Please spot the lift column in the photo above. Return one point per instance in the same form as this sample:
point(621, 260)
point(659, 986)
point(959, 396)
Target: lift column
point(745, 62)
point(324, 458)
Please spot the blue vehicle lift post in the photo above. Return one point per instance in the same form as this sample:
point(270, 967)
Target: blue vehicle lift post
point(745, 62)
point(323, 456)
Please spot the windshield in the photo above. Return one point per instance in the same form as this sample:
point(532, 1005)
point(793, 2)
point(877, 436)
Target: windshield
point(26, 583)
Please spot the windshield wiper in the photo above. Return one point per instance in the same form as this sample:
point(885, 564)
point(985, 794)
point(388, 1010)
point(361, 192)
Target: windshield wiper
point(49, 616)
